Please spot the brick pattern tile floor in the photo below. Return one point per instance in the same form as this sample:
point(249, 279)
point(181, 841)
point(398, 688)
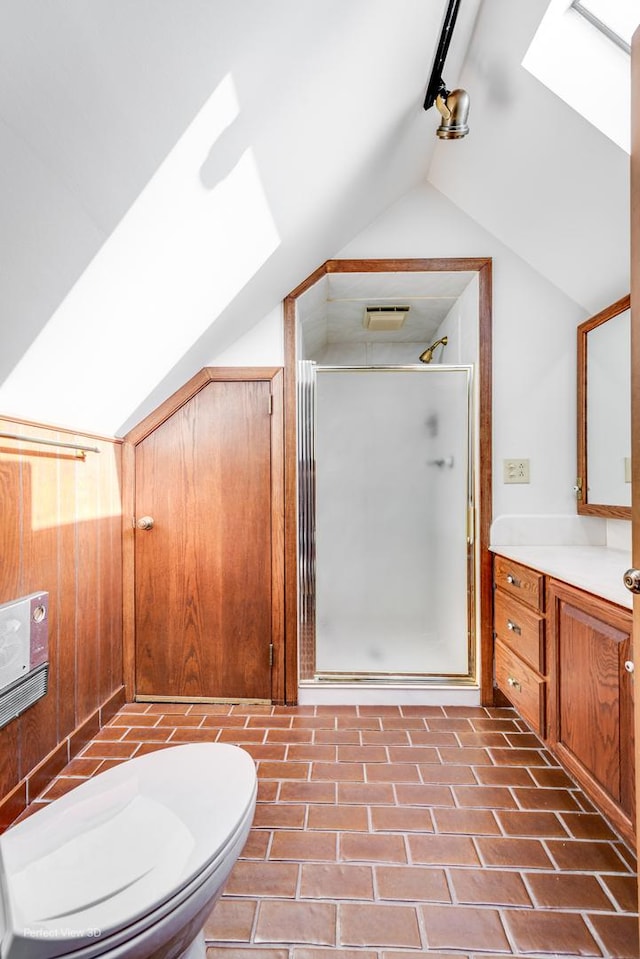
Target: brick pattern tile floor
point(390, 832)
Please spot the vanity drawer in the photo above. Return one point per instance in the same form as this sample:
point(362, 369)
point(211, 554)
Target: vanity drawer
point(520, 628)
point(519, 581)
point(522, 686)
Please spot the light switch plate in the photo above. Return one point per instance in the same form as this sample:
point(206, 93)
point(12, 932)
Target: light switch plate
point(516, 470)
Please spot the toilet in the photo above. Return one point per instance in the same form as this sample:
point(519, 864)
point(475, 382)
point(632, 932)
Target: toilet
point(131, 862)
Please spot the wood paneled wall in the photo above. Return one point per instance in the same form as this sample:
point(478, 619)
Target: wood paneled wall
point(60, 531)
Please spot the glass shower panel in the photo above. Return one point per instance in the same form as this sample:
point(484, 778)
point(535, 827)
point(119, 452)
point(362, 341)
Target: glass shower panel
point(392, 497)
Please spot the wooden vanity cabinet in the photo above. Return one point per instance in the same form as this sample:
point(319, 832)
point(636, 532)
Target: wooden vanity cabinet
point(563, 660)
point(590, 707)
point(519, 637)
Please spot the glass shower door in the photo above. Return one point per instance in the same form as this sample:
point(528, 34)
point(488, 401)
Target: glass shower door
point(393, 490)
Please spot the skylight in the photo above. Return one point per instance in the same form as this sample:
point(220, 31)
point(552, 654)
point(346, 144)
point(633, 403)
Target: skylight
point(580, 52)
point(617, 19)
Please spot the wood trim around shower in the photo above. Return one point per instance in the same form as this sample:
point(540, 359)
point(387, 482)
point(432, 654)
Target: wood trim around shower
point(483, 267)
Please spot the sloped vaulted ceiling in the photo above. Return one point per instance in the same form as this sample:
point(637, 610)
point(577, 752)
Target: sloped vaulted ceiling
point(172, 168)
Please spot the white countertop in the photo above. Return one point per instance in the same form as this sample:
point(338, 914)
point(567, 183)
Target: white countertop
point(596, 569)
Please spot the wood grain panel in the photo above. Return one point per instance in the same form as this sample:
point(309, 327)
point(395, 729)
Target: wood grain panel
point(59, 531)
point(203, 573)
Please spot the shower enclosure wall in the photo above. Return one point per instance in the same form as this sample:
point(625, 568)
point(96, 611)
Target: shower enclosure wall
point(386, 524)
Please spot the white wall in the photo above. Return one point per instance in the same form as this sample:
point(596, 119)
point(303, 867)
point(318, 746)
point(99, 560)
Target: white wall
point(534, 347)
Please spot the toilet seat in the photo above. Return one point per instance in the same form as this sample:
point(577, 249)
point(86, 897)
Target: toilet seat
point(111, 858)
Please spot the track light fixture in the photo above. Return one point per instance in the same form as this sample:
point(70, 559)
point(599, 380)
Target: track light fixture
point(452, 105)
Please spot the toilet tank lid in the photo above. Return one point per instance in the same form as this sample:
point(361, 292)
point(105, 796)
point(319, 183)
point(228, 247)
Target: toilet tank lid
point(124, 842)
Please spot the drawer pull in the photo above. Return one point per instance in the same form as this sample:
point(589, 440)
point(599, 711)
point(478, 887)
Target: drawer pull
point(629, 666)
point(513, 627)
point(514, 683)
point(512, 580)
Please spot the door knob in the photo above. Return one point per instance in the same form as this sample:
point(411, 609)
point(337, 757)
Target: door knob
point(145, 522)
point(631, 580)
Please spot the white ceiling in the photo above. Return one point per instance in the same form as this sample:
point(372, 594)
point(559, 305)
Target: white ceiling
point(332, 311)
point(124, 127)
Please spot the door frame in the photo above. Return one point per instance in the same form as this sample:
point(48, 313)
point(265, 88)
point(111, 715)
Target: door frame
point(635, 381)
point(273, 375)
point(483, 267)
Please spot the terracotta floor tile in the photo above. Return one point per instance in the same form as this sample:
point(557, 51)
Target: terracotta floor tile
point(469, 740)
point(463, 756)
point(289, 735)
point(303, 953)
point(552, 777)
point(192, 735)
point(364, 925)
point(392, 772)
point(268, 790)
point(618, 934)
point(562, 933)
point(467, 822)
point(424, 795)
point(583, 825)
point(585, 856)
point(337, 737)
point(523, 853)
point(523, 823)
point(310, 752)
point(403, 722)
point(463, 927)
point(362, 754)
point(345, 818)
point(408, 883)
point(59, 787)
point(279, 816)
point(307, 792)
point(419, 738)
point(359, 722)
point(493, 797)
point(292, 922)
point(489, 887)
point(413, 754)
point(304, 846)
point(624, 890)
point(249, 952)
point(256, 845)
point(503, 776)
point(446, 774)
point(231, 921)
point(365, 847)
point(283, 770)
point(390, 737)
point(338, 772)
point(320, 881)
point(443, 850)
point(264, 752)
point(401, 819)
point(555, 890)
point(104, 750)
point(248, 878)
point(339, 846)
point(560, 799)
point(449, 724)
point(369, 794)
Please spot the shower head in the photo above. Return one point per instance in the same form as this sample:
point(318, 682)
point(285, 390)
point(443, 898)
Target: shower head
point(427, 356)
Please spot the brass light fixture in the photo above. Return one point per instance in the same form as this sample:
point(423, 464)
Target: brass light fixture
point(452, 105)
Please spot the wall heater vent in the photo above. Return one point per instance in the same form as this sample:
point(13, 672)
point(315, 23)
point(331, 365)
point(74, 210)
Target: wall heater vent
point(24, 650)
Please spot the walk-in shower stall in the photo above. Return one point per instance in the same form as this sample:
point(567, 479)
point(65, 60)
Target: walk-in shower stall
point(386, 505)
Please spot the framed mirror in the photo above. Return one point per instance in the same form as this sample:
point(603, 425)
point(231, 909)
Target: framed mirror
point(603, 487)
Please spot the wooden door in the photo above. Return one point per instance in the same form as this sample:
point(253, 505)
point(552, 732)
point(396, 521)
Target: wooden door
point(635, 363)
point(203, 572)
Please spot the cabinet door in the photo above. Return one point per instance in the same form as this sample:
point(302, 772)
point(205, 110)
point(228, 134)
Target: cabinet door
point(591, 694)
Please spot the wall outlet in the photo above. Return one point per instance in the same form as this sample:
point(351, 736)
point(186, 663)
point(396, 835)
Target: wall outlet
point(627, 469)
point(516, 471)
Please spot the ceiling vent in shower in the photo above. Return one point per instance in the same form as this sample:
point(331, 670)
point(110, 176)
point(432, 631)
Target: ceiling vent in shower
point(384, 318)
